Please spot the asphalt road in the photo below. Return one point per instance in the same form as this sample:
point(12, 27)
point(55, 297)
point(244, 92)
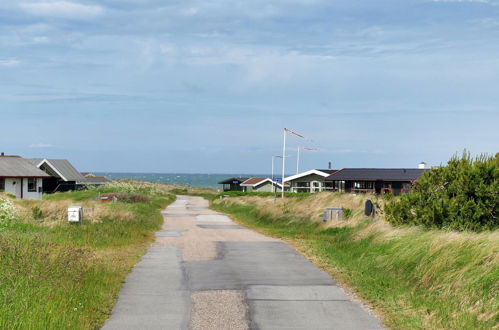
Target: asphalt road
point(206, 272)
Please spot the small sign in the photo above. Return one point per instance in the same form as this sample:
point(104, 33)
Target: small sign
point(277, 179)
point(235, 182)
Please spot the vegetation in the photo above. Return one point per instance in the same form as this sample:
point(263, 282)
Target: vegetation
point(463, 195)
point(55, 275)
point(413, 277)
point(260, 193)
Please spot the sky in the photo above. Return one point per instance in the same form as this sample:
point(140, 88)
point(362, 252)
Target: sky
point(198, 86)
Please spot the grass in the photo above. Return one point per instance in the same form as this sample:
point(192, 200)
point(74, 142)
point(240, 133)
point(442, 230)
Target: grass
point(55, 275)
point(413, 278)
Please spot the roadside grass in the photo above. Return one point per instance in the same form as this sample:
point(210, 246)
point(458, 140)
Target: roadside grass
point(415, 279)
point(68, 276)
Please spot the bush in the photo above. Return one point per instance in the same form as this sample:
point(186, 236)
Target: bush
point(127, 198)
point(37, 213)
point(463, 195)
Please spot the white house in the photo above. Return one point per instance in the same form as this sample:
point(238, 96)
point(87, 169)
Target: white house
point(21, 178)
point(262, 185)
point(310, 181)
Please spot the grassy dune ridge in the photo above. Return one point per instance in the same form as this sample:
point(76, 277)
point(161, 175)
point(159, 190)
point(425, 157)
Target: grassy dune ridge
point(412, 277)
point(54, 275)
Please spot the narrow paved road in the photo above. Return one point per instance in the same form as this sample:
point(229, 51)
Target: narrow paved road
point(206, 272)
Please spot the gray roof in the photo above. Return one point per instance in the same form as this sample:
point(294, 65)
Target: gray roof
point(96, 180)
point(376, 174)
point(64, 167)
point(234, 179)
point(11, 167)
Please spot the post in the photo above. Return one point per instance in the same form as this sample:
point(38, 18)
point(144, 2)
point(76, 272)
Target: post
point(283, 162)
point(273, 184)
point(298, 161)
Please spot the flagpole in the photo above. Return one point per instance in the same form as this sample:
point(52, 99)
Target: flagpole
point(283, 161)
point(298, 161)
point(273, 184)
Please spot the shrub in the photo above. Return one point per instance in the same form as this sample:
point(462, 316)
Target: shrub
point(37, 213)
point(347, 213)
point(463, 195)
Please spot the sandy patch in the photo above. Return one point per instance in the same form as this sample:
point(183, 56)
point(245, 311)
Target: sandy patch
point(218, 310)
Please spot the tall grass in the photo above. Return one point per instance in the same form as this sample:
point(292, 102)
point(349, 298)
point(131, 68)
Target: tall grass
point(413, 278)
point(67, 276)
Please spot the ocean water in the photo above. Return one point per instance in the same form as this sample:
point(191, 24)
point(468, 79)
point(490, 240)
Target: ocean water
point(197, 180)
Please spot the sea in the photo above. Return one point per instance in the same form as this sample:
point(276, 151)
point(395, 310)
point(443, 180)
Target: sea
point(195, 180)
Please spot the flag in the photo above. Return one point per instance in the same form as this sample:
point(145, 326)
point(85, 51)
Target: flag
point(292, 132)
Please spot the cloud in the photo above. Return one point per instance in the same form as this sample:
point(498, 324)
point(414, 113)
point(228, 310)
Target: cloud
point(62, 9)
point(9, 62)
point(41, 145)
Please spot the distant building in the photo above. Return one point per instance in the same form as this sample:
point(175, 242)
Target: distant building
point(261, 185)
point(233, 184)
point(95, 180)
point(310, 181)
point(20, 177)
point(374, 180)
point(63, 175)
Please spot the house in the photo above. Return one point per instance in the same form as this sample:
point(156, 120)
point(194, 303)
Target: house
point(95, 180)
point(233, 184)
point(374, 180)
point(63, 175)
point(311, 181)
point(262, 185)
point(20, 177)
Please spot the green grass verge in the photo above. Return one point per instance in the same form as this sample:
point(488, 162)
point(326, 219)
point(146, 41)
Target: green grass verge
point(69, 276)
point(413, 281)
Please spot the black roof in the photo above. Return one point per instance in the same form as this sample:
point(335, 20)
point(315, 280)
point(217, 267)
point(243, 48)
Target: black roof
point(375, 174)
point(328, 171)
point(231, 180)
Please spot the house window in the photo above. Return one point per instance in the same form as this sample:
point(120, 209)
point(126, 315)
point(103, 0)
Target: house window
point(2, 184)
point(302, 187)
point(335, 185)
point(31, 185)
point(363, 186)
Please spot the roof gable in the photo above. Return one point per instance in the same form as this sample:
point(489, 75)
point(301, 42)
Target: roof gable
point(253, 182)
point(323, 173)
point(63, 168)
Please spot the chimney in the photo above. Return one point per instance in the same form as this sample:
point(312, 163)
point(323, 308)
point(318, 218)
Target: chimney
point(422, 165)
point(329, 166)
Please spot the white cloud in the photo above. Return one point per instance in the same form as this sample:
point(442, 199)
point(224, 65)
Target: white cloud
point(190, 11)
point(41, 145)
point(40, 40)
point(9, 62)
point(62, 9)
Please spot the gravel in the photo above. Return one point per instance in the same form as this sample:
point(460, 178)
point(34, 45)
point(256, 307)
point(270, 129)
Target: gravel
point(218, 310)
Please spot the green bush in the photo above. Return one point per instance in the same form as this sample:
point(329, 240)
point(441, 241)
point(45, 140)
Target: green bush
point(37, 213)
point(463, 195)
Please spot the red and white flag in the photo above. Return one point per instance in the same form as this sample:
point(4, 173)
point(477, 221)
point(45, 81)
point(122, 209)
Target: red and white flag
point(292, 132)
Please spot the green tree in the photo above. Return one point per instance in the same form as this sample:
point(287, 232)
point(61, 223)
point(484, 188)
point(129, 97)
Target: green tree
point(463, 195)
